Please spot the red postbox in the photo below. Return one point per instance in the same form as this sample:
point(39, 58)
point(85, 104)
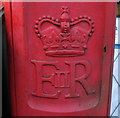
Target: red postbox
point(60, 57)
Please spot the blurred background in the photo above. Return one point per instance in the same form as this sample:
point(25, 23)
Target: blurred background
point(5, 100)
point(115, 103)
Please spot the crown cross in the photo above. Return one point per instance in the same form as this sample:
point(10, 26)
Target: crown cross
point(64, 36)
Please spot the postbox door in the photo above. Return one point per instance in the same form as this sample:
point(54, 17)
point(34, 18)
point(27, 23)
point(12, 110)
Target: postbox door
point(61, 56)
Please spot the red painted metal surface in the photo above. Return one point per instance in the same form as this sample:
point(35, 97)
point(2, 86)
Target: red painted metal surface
point(60, 58)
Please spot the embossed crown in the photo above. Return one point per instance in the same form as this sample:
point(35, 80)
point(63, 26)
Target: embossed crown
point(64, 36)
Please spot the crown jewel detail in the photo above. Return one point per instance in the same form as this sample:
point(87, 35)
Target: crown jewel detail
point(64, 36)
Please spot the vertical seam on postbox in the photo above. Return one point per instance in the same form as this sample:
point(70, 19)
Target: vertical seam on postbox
point(13, 56)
